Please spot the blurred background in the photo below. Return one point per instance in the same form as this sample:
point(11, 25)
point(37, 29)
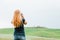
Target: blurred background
point(42, 16)
point(44, 13)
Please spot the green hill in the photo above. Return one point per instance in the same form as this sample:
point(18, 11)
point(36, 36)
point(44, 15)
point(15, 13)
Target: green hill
point(35, 31)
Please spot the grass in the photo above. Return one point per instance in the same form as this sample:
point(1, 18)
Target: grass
point(41, 32)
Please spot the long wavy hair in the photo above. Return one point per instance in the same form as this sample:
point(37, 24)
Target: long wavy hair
point(17, 19)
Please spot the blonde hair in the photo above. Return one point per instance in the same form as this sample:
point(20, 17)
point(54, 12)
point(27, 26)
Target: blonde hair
point(17, 20)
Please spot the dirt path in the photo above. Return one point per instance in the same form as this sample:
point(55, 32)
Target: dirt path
point(10, 37)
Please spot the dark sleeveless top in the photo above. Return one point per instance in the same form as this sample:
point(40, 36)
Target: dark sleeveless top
point(20, 29)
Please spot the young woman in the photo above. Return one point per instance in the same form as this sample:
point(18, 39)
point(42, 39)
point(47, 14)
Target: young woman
point(18, 22)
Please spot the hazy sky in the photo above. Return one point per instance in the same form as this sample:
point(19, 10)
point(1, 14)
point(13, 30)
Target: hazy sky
point(37, 12)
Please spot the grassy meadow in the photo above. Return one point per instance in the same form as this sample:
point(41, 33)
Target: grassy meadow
point(36, 31)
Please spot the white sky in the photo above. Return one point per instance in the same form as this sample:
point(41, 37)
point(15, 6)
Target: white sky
point(37, 12)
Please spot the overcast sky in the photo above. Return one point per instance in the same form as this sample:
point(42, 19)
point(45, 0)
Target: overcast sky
point(44, 13)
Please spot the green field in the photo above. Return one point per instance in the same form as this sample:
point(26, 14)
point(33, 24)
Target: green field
point(40, 32)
